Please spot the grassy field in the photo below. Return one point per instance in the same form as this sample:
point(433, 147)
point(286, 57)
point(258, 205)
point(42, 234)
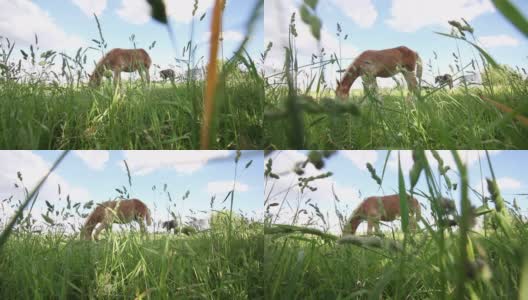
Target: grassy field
point(482, 257)
point(299, 267)
point(46, 103)
point(207, 265)
point(162, 116)
point(444, 120)
point(302, 112)
point(42, 255)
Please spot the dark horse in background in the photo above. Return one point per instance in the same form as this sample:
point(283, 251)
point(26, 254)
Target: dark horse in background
point(173, 225)
point(168, 74)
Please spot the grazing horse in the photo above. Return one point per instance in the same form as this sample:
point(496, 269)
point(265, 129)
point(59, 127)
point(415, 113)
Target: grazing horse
point(122, 60)
point(382, 63)
point(443, 79)
point(167, 74)
point(173, 224)
point(119, 212)
point(385, 208)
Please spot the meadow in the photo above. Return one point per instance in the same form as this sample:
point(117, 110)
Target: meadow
point(46, 103)
point(162, 116)
point(481, 257)
point(212, 264)
point(302, 111)
point(43, 254)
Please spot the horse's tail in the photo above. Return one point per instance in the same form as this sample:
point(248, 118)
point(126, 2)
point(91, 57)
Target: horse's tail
point(419, 69)
point(93, 219)
point(147, 60)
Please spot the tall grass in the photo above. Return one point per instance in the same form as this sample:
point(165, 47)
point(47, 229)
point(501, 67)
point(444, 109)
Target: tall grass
point(491, 115)
point(437, 262)
point(50, 261)
point(44, 107)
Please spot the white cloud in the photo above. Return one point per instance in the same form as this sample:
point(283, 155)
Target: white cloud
point(508, 183)
point(411, 15)
point(360, 158)
point(469, 157)
point(276, 24)
point(229, 35)
point(90, 7)
point(185, 161)
point(94, 159)
point(219, 187)
point(362, 12)
point(138, 11)
point(20, 20)
point(32, 168)
point(134, 11)
point(501, 40)
point(283, 164)
point(504, 183)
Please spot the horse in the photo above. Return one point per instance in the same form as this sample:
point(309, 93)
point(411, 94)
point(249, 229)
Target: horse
point(122, 60)
point(444, 79)
point(168, 74)
point(173, 224)
point(384, 208)
point(119, 212)
point(382, 63)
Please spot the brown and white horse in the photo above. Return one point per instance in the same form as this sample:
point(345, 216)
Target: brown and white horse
point(382, 63)
point(122, 60)
point(119, 212)
point(384, 208)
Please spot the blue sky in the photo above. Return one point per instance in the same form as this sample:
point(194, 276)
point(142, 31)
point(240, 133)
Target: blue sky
point(94, 175)
point(352, 181)
point(380, 24)
point(67, 25)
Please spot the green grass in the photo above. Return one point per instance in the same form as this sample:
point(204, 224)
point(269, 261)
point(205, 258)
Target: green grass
point(39, 116)
point(297, 267)
point(43, 257)
point(206, 265)
point(307, 261)
point(446, 120)
point(47, 107)
point(309, 117)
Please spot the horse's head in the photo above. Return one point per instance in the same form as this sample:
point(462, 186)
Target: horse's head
point(342, 91)
point(95, 80)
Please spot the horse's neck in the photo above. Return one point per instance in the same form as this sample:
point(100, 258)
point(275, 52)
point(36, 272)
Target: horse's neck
point(351, 75)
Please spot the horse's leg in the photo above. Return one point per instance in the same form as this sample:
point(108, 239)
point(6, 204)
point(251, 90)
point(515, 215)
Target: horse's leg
point(117, 77)
point(366, 84)
point(370, 224)
point(142, 227)
point(147, 75)
point(98, 230)
point(370, 86)
point(412, 84)
point(413, 223)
